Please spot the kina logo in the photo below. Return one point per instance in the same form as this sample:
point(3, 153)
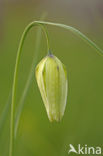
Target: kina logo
point(85, 150)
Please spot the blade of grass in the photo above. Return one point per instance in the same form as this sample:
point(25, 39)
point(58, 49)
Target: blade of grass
point(6, 109)
point(30, 77)
point(18, 57)
point(74, 31)
point(5, 113)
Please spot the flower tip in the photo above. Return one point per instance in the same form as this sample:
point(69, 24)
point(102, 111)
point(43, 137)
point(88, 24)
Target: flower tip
point(53, 119)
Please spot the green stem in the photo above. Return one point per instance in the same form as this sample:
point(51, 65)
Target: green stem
point(11, 152)
point(37, 23)
point(30, 76)
point(76, 32)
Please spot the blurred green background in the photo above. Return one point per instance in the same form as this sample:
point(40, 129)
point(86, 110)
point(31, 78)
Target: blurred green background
point(83, 119)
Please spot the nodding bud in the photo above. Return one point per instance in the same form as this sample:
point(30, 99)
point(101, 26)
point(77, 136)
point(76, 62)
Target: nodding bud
point(51, 78)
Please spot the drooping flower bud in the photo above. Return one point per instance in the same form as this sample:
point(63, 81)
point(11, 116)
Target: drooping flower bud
point(51, 78)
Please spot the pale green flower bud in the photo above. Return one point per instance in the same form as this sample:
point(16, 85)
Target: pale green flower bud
point(51, 77)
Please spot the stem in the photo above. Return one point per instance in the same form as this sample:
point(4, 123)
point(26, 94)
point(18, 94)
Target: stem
point(76, 32)
point(37, 23)
point(11, 152)
point(29, 78)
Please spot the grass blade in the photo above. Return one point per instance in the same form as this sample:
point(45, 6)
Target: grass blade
point(5, 113)
point(6, 109)
point(30, 77)
point(75, 31)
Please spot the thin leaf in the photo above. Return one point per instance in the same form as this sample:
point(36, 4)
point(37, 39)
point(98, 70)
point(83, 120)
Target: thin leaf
point(73, 30)
point(4, 114)
point(30, 77)
point(6, 109)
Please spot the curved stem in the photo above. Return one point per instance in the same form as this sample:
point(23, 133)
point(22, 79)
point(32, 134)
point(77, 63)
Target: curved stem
point(15, 79)
point(76, 32)
point(29, 78)
point(39, 23)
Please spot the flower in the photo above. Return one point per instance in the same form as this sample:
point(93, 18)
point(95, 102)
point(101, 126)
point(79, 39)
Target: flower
point(51, 76)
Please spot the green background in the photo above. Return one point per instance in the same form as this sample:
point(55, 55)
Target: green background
point(83, 119)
